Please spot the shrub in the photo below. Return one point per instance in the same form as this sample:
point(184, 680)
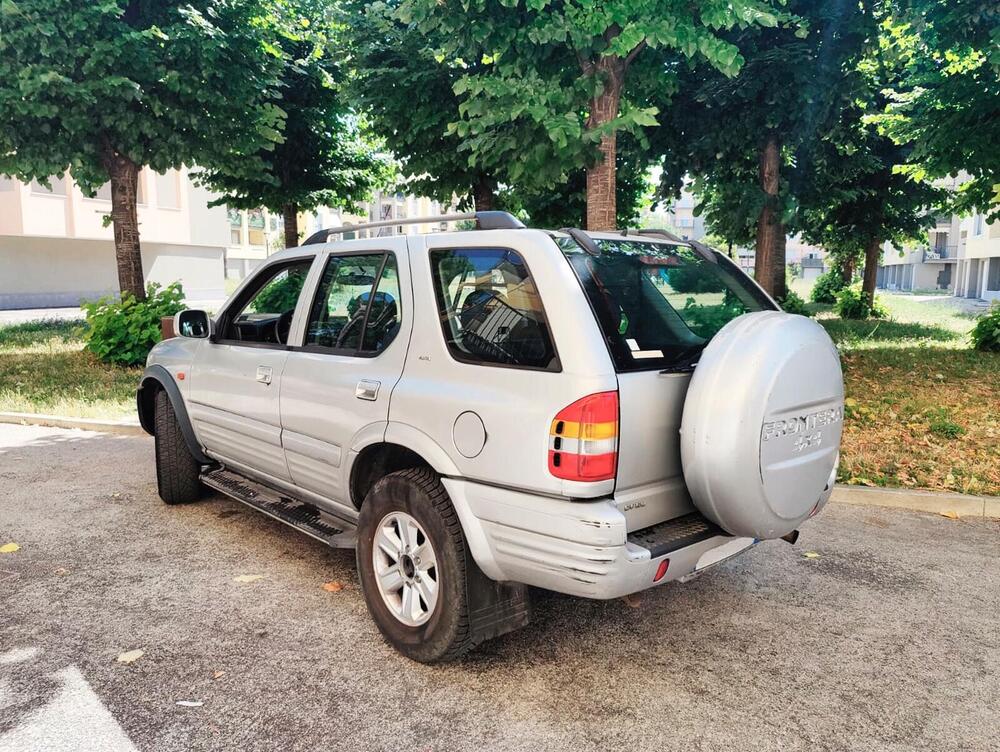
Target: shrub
point(827, 286)
point(124, 331)
point(793, 303)
point(281, 295)
point(986, 333)
point(852, 304)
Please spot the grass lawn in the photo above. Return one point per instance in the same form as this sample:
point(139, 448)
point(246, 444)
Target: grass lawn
point(923, 410)
point(44, 369)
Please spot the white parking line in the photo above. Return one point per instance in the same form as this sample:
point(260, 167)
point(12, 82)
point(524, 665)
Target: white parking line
point(73, 720)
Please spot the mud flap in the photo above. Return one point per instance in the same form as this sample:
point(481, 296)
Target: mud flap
point(495, 608)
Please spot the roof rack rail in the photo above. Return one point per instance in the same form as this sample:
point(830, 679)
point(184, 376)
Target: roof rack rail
point(700, 248)
point(660, 233)
point(582, 239)
point(485, 220)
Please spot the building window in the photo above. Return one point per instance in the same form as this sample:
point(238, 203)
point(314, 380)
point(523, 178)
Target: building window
point(993, 275)
point(57, 187)
point(236, 236)
point(103, 193)
point(977, 225)
point(168, 194)
point(6, 183)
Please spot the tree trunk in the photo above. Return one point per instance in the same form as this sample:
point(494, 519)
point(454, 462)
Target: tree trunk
point(290, 213)
point(769, 267)
point(602, 210)
point(483, 193)
point(872, 252)
point(847, 270)
point(128, 255)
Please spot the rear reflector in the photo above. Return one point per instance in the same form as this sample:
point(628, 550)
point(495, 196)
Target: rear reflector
point(661, 570)
point(583, 440)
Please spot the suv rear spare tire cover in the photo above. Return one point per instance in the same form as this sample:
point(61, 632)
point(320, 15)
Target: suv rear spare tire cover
point(760, 433)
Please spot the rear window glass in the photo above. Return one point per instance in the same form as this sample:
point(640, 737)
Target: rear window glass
point(491, 313)
point(658, 305)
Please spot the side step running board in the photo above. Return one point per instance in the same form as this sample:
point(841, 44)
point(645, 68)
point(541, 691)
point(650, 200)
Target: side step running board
point(675, 534)
point(301, 515)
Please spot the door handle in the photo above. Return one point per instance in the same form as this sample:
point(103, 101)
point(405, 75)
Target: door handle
point(367, 390)
point(264, 375)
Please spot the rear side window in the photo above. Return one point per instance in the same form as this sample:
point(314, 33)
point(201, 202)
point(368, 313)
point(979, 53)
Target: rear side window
point(356, 309)
point(658, 305)
point(491, 313)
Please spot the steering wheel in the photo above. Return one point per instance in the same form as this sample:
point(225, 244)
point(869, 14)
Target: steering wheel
point(283, 326)
point(357, 319)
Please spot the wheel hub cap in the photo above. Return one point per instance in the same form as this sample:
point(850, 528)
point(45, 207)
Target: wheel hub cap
point(405, 567)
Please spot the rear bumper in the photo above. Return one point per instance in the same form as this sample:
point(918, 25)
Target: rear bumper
point(577, 548)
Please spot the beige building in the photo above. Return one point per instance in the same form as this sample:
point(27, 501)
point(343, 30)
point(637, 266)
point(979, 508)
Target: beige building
point(978, 269)
point(925, 267)
point(962, 255)
point(55, 249)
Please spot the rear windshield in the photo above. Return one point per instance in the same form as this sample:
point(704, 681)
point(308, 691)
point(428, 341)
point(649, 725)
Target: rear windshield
point(658, 305)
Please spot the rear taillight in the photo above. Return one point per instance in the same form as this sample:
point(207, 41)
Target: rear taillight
point(583, 442)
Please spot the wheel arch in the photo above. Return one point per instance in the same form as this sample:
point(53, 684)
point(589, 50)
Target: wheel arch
point(157, 378)
point(402, 447)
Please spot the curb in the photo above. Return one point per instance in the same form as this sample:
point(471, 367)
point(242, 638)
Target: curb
point(126, 427)
point(921, 501)
point(932, 502)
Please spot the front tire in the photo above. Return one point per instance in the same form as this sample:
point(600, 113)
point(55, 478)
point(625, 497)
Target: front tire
point(412, 566)
point(177, 472)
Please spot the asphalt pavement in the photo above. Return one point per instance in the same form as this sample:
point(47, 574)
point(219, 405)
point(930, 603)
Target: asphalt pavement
point(879, 630)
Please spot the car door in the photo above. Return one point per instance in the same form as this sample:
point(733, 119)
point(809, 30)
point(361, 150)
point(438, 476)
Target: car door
point(338, 379)
point(236, 377)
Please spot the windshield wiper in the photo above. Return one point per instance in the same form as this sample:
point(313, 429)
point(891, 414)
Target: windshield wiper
point(686, 362)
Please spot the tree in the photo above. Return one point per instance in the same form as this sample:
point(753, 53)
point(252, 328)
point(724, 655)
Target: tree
point(946, 103)
point(564, 65)
point(858, 198)
point(323, 159)
point(565, 204)
point(748, 139)
point(104, 87)
point(406, 90)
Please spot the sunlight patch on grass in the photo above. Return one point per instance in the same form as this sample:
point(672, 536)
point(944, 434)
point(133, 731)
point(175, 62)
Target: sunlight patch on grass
point(44, 369)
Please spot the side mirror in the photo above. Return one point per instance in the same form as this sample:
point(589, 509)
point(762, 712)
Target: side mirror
point(193, 323)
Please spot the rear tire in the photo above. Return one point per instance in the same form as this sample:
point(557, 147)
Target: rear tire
point(177, 472)
point(440, 632)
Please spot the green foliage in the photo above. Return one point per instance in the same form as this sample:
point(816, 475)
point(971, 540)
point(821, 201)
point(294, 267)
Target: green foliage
point(124, 331)
point(565, 204)
point(793, 303)
point(796, 79)
point(160, 83)
point(939, 422)
point(706, 320)
point(985, 334)
point(323, 156)
point(413, 113)
point(946, 104)
point(853, 304)
point(544, 63)
point(827, 285)
point(282, 294)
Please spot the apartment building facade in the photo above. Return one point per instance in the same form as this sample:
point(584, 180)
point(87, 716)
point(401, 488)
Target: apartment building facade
point(56, 249)
point(962, 255)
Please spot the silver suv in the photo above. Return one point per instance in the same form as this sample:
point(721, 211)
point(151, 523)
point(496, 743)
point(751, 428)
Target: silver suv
point(481, 411)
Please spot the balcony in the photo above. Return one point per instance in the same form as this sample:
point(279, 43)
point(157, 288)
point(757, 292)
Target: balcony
point(948, 253)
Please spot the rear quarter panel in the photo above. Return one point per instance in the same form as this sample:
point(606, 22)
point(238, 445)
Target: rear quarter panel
point(516, 405)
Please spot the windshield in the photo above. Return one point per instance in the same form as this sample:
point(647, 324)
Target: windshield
point(658, 305)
